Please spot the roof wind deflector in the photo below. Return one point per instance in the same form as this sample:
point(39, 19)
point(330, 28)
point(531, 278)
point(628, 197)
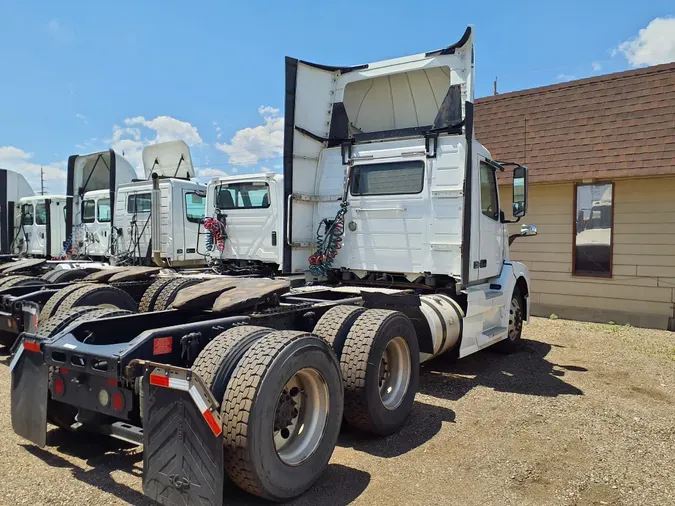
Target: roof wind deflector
point(452, 48)
point(329, 68)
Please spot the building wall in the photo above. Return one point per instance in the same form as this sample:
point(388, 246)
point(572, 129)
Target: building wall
point(641, 291)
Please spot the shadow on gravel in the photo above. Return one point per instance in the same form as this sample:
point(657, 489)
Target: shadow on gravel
point(424, 423)
point(525, 372)
point(338, 486)
point(103, 454)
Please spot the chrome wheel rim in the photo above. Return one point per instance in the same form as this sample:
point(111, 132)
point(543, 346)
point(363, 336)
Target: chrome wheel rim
point(515, 319)
point(300, 416)
point(394, 373)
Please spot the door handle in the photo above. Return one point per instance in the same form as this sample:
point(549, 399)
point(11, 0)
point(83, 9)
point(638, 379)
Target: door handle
point(476, 265)
point(483, 263)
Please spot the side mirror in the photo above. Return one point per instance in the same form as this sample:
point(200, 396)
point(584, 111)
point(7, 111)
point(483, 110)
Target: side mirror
point(526, 230)
point(519, 191)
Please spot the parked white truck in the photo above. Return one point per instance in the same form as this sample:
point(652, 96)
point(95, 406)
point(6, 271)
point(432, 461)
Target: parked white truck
point(13, 187)
point(411, 261)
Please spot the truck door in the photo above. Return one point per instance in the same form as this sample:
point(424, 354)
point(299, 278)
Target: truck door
point(102, 229)
point(193, 211)
point(491, 237)
point(38, 242)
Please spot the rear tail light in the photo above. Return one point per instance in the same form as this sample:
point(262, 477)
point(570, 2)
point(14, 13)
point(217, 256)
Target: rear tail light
point(118, 401)
point(58, 385)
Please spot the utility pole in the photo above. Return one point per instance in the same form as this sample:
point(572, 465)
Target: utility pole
point(495, 85)
point(42, 181)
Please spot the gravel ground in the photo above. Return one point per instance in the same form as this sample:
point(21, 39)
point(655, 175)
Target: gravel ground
point(584, 415)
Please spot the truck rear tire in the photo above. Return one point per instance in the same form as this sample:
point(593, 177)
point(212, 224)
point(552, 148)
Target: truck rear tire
point(19, 280)
point(380, 369)
point(513, 341)
point(65, 275)
point(277, 451)
point(150, 296)
point(58, 322)
point(50, 307)
point(169, 292)
point(335, 324)
point(103, 296)
point(216, 363)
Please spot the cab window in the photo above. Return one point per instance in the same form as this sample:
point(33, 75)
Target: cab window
point(27, 214)
point(138, 203)
point(393, 178)
point(195, 207)
point(242, 196)
point(89, 211)
point(489, 202)
point(41, 213)
point(103, 210)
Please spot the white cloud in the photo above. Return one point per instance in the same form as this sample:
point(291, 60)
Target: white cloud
point(265, 169)
point(81, 116)
point(131, 139)
point(565, 77)
point(209, 173)
point(234, 170)
point(653, 45)
point(18, 160)
point(263, 142)
point(596, 66)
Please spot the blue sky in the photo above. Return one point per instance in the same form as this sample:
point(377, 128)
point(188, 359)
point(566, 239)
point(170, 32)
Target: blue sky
point(79, 76)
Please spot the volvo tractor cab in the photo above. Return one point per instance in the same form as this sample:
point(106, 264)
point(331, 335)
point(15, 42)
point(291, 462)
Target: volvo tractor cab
point(13, 187)
point(179, 211)
point(41, 229)
point(90, 179)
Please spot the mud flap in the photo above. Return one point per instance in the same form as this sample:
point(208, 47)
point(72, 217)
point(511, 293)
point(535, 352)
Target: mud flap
point(182, 455)
point(30, 389)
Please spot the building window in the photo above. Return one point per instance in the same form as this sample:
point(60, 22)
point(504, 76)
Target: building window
point(195, 207)
point(594, 221)
point(489, 204)
point(393, 178)
point(103, 210)
point(88, 211)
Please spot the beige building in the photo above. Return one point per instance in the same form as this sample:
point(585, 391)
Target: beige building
point(601, 153)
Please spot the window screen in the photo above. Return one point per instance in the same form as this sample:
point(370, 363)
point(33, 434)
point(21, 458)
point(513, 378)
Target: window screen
point(593, 230)
point(243, 196)
point(41, 213)
point(88, 211)
point(103, 210)
point(395, 178)
point(195, 207)
point(27, 214)
point(138, 203)
point(489, 203)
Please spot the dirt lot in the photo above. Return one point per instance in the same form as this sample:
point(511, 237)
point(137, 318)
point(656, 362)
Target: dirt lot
point(584, 415)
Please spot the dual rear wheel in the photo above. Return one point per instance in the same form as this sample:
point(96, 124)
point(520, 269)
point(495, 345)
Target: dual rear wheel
point(285, 394)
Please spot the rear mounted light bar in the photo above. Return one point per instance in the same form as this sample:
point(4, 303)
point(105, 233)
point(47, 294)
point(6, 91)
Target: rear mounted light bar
point(176, 378)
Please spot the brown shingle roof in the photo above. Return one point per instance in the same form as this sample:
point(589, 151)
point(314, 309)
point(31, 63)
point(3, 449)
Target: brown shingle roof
point(616, 125)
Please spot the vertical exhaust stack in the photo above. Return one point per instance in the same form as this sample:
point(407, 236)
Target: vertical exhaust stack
point(156, 222)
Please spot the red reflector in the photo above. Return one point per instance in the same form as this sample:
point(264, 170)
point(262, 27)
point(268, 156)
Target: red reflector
point(31, 346)
point(159, 380)
point(112, 382)
point(162, 345)
point(118, 401)
point(59, 386)
point(62, 370)
point(208, 416)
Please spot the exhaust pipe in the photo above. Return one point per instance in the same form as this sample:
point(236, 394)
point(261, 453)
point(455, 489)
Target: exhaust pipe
point(156, 222)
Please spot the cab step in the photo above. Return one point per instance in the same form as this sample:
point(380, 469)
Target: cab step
point(491, 334)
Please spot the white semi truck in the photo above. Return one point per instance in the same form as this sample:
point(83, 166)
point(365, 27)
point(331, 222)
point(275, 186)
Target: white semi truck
point(13, 187)
point(396, 204)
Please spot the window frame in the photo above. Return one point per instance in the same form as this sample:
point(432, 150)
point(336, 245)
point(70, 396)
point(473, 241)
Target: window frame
point(358, 167)
point(98, 209)
point(93, 220)
point(238, 194)
point(495, 192)
point(610, 274)
point(187, 216)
